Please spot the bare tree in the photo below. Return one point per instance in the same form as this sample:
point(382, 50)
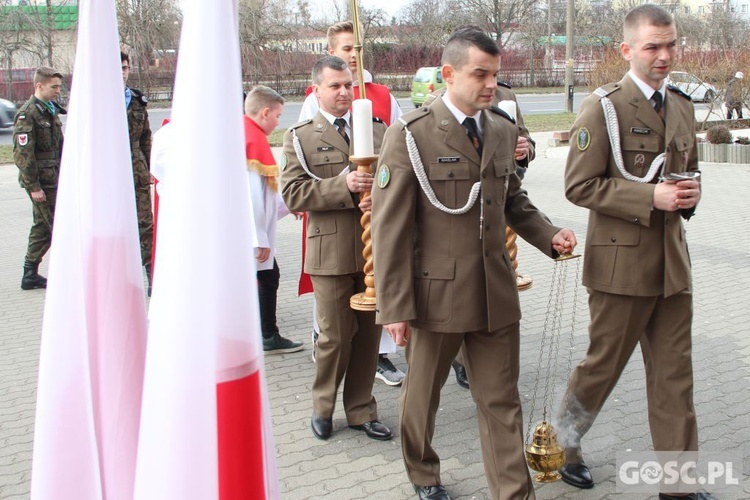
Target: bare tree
point(428, 23)
point(148, 28)
point(19, 35)
point(501, 17)
point(265, 26)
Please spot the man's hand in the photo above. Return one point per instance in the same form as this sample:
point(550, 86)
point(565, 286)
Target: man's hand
point(522, 148)
point(366, 204)
point(564, 241)
point(262, 254)
point(399, 332)
point(676, 195)
point(688, 193)
point(359, 182)
point(38, 196)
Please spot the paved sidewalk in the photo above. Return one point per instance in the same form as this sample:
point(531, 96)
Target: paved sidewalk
point(350, 466)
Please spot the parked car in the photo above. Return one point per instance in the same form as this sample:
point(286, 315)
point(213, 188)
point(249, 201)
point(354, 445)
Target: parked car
point(697, 89)
point(426, 81)
point(7, 113)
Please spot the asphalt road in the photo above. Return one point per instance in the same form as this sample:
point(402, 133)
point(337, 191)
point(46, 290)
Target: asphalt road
point(530, 104)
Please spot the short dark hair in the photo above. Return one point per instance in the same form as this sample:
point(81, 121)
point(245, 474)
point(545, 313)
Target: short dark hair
point(456, 51)
point(44, 74)
point(651, 14)
point(333, 62)
point(124, 57)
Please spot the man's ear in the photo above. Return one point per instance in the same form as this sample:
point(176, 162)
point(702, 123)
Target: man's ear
point(625, 51)
point(447, 72)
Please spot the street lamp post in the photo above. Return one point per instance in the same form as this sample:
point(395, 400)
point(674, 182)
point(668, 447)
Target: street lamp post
point(569, 56)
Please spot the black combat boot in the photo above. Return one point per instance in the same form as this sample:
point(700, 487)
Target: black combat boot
point(31, 277)
point(148, 276)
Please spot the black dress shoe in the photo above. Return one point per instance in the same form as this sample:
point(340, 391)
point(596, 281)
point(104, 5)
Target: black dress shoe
point(577, 475)
point(374, 430)
point(698, 495)
point(321, 427)
point(436, 492)
point(461, 377)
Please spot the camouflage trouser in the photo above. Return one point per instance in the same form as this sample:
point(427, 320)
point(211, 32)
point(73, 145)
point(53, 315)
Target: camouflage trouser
point(145, 222)
point(40, 236)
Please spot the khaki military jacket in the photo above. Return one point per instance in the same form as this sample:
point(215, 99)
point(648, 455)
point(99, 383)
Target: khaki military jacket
point(334, 244)
point(432, 268)
point(37, 145)
point(139, 131)
point(631, 248)
point(502, 93)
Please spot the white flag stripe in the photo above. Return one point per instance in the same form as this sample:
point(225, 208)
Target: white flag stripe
point(93, 336)
point(204, 313)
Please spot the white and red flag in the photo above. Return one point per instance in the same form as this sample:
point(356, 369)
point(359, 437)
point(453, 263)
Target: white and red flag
point(205, 422)
point(94, 332)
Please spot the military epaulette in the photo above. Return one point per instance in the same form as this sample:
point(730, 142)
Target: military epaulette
point(140, 97)
point(680, 92)
point(503, 84)
point(605, 90)
point(414, 115)
point(502, 113)
point(22, 111)
point(298, 125)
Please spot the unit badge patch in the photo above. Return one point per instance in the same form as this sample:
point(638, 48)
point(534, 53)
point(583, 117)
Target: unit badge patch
point(384, 176)
point(23, 139)
point(583, 139)
point(640, 160)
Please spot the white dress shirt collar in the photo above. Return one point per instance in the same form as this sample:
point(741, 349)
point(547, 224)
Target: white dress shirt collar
point(647, 89)
point(460, 115)
point(347, 117)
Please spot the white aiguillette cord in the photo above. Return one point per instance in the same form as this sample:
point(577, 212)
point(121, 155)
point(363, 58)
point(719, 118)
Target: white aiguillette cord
point(613, 130)
point(301, 158)
point(424, 183)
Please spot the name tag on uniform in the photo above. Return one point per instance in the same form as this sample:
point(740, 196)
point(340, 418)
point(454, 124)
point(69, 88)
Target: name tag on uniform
point(449, 159)
point(640, 130)
point(325, 148)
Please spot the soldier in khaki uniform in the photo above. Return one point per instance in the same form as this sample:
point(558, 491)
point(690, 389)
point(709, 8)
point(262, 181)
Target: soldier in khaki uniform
point(139, 130)
point(318, 178)
point(636, 266)
point(443, 276)
point(525, 153)
point(37, 147)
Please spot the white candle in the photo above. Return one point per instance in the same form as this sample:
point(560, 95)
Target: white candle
point(362, 128)
point(509, 107)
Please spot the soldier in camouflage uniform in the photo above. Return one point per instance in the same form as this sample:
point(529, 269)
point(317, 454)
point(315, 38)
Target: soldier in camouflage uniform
point(140, 149)
point(37, 147)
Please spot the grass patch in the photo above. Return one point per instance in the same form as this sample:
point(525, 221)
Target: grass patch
point(549, 122)
point(535, 123)
point(277, 137)
point(6, 154)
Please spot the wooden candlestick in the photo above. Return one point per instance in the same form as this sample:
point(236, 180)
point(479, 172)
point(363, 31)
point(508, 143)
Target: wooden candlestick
point(365, 301)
